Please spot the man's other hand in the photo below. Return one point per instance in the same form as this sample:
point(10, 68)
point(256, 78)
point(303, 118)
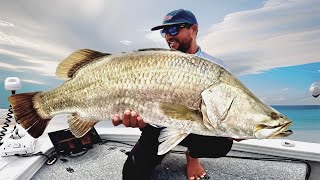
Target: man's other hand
point(129, 119)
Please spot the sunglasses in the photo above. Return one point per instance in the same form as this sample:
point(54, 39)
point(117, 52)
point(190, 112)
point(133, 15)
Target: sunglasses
point(173, 30)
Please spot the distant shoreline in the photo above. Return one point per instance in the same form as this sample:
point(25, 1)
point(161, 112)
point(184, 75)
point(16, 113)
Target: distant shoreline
point(295, 107)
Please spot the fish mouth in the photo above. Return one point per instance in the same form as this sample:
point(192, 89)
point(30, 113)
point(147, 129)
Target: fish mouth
point(283, 131)
point(263, 131)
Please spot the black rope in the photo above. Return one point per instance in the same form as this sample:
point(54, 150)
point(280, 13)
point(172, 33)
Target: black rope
point(104, 141)
point(32, 154)
point(81, 153)
point(50, 159)
point(6, 124)
point(8, 120)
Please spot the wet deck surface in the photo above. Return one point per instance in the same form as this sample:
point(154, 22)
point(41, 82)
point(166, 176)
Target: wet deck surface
point(105, 162)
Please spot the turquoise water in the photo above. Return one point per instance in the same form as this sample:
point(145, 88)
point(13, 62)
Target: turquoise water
point(303, 117)
point(306, 122)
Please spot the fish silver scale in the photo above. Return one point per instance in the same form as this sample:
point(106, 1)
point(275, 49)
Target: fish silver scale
point(134, 81)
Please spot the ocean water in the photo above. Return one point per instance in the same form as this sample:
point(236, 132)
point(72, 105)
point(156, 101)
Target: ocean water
point(306, 122)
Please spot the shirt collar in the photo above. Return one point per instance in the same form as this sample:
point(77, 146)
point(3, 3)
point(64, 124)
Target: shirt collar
point(199, 52)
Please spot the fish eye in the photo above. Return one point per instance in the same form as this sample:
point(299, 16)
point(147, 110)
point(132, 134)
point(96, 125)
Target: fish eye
point(274, 116)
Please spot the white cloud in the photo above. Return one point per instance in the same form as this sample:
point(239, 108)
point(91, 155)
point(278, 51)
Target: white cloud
point(275, 2)
point(8, 66)
point(44, 68)
point(32, 81)
point(12, 40)
point(126, 42)
point(15, 40)
point(89, 8)
point(308, 99)
point(25, 41)
point(43, 36)
point(274, 99)
point(13, 53)
point(5, 23)
point(282, 33)
point(157, 39)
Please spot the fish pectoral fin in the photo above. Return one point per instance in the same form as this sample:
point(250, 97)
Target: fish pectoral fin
point(169, 138)
point(75, 61)
point(179, 112)
point(79, 126)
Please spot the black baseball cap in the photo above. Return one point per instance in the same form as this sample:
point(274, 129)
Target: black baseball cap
point(179, 16)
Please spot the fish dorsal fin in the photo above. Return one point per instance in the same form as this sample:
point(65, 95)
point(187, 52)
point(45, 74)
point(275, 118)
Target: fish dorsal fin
point(75, 61)
point(156, 49)
point(169, 138)
point(179, 112)
point(79, 126)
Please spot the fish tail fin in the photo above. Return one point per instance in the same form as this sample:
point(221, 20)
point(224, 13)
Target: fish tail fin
point(26, 114)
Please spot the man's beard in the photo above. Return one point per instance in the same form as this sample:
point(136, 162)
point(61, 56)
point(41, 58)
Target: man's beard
point(183, 45)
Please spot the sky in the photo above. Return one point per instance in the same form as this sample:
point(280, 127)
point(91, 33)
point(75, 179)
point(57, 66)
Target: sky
point(272, 46)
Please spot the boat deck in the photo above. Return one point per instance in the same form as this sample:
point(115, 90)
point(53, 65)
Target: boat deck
point(105, 161)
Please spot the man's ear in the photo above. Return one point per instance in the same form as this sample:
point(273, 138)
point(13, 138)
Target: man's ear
point(194, 28)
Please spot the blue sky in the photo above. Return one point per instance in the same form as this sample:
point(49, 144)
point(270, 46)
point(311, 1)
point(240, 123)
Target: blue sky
point(272, 46)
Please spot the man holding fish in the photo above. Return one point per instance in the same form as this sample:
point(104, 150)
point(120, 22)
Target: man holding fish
point(180, 30)
point(186, 97)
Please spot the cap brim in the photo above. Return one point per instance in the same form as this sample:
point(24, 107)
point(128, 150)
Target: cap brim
point(165, 25)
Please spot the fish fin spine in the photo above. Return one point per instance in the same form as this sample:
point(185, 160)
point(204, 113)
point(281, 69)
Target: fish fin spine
point(26, 114)
point(75, 61)
point(79, 126)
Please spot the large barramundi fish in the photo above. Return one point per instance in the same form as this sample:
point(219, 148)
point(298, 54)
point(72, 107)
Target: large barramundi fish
point(183, 92)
